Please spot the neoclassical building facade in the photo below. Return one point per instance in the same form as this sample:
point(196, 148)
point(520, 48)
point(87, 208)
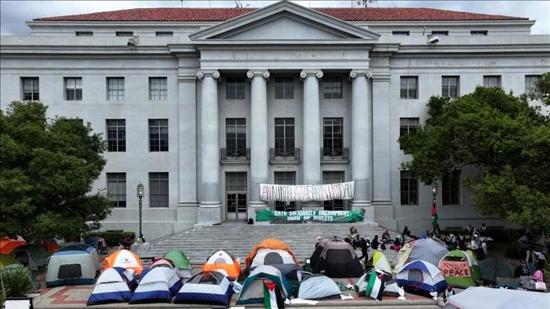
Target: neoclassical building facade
point(204, 105)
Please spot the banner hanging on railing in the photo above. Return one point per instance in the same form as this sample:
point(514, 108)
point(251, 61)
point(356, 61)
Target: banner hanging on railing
point(288, 193)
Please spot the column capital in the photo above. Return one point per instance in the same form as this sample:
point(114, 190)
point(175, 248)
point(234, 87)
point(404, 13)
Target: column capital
point(355, 73)
point(315, 73)
point(208, 73)
point(263, 73)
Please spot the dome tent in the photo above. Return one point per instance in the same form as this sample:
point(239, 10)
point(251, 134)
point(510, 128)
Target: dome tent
point(255, 286)
point(378, 261)
point(275, 253)
point(206, 287)
point(114, 285)
point(421, 276)
point(318, 287)
point(336, 258)
point(125, 259)
point(160, 283)
point(7, 245)
point(428, 250)
point(460, 269)
point(72, 265)
point(181, 263)
point(225, 261)
point(32, 255)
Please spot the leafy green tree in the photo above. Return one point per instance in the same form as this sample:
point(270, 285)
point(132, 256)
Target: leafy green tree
point(46, 173)
point(508, 140)
point(542, 91)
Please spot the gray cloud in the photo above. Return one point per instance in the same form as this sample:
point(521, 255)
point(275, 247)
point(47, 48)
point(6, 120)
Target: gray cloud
point(14, 14)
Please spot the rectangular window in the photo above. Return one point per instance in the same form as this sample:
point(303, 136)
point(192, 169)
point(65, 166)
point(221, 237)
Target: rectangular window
point(284, 88)
point(450, 86)
point(285, 178)
point(235, 137)
point(236, 190)
point(158, 88)
point(440, 32)
point(284, 137)
point(234, 88)
point(407, 126)
point(73, 88)
point(409, 188)
point(478, 32)
point(451, 188)
point(115, 88)
point(333, 177)
point(333, 137)
point(332, 88)
point(158, 189)
point(30, 89)
point(531, 83)
point(164, 33)
point(84, 33)
point(406, 33)
point(409, 87)
point(491, 81)
point(116, 135)
point(158, 134)
point(116, 189)
point(124, 33)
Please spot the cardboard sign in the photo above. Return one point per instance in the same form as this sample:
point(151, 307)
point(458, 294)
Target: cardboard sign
point(455, 268)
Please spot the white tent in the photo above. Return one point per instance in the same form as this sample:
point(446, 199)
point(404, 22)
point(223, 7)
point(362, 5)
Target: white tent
point(421, 276)
point(158, 284)
point(489, 298)
point(207, 287)
point(318, 287)
point(114, 285)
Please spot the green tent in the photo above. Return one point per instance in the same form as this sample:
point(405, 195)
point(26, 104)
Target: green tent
point(7, 259)
point(32, 256)
point(460, 269)
point(181, 262)
point(492, 268)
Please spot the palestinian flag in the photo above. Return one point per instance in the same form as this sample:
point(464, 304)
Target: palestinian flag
point(375, 285)
point(270, 298)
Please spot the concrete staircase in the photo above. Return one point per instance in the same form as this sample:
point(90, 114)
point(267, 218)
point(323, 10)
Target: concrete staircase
point(238, 238)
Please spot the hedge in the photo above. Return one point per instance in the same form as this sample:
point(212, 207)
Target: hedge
point(113, 237)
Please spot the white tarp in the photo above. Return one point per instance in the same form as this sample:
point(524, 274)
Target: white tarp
point(489, 298)
point(288, 193)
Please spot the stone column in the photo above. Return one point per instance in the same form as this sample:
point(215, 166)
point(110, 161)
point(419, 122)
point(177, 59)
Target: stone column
point(210, 203)
point(311, 154)
point(360, 133)
point(259, 150)
point(382, 139)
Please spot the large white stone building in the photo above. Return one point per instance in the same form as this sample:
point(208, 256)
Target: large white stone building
point(203, 105)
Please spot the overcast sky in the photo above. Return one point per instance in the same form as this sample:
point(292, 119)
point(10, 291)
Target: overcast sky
point(14, 13)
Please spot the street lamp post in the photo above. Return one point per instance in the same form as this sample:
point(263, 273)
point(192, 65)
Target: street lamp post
point(140, 192)
point(435, 225)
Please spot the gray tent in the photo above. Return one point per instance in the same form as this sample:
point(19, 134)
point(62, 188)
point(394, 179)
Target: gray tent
point(318, 287)
point(492, 268)
point(72, 265)
point(427, 250)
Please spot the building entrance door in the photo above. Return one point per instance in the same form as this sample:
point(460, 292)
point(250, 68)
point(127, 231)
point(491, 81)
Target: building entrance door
point(235, 196)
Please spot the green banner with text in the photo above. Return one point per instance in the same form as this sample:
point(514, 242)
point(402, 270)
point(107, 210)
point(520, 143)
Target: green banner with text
point(300, 216)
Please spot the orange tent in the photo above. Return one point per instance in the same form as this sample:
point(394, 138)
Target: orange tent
point(50, 245)
point(125, 259)
point(8, 245)
point(223, 260)
point(269, 243)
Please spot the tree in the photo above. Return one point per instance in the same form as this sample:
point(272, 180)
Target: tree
point(508, 140)
point(46, 173)
point(542, 89)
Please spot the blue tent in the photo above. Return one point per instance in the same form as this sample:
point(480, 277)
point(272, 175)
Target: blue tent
point(157, 284)
point(114, 285)
point(207, 287)
point(421, 276)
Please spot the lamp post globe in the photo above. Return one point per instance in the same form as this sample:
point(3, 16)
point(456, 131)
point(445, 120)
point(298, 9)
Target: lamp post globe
point(140, 192)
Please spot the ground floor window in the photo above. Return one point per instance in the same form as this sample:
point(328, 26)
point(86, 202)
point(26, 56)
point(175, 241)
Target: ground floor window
point(158, 189)
point(116, 189)
point(409, 188)
point(285, 178)
point(451, 188)
point(334, 177)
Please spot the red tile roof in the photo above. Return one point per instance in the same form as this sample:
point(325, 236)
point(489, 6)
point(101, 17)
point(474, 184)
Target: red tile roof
point(222, 14)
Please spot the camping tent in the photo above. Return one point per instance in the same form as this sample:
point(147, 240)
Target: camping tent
point(489, 298)
point(181, 263)
point(378, 261)
point(269, 243)
point(98, 243)
point(492, 268)
point(427, 249)
point(421, 276)
point(318, 287)
point(390, 286)
point(280, 259)
point(336, 258)
point(72, 265)
point(8, 245)
point(32, 256)
point(50, 245)
point(160, 283)
point(225, 261)
point(114, 285)
point(460, 269)
point(207, 287)
point(257, 285)
point(6, 260)
point(125, 259)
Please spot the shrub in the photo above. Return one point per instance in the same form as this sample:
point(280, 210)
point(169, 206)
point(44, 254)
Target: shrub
point(17, 281)
point(113, 237)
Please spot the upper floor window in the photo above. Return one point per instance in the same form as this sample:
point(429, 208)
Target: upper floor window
point(158, 190)
point(116, 189)
point(284, 137)
point(84, 33)
point(333, 177)
point(531, 83)
point(115, 88)
point(124, 33)
point(73, 88)
point(235, 137)
point(158, 88)
point(164, 33)
point(285, 178)
point(409, 87)
point(333, 137)
point(491, 81)
point(234, 88)
point(284, 88)
point(332, 88)
point(406, 33)
point(409, 188)
point(158, 134)
point(478, 32)
point(450, 86)
point(30, 89)
point(116, 135)
point(451, 188)
point(440, 32)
